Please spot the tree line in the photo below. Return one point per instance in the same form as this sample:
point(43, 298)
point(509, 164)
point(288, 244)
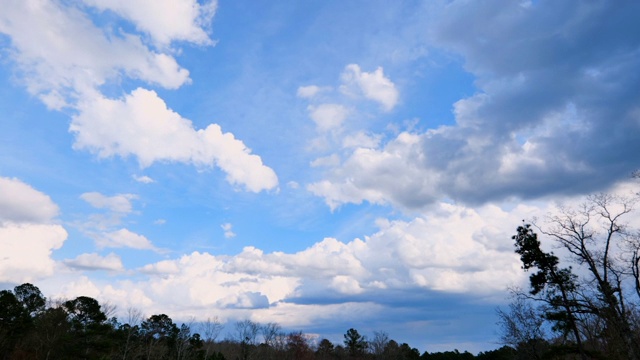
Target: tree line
point(31, 327)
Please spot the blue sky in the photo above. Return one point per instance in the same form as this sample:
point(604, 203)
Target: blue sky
point(320, 164)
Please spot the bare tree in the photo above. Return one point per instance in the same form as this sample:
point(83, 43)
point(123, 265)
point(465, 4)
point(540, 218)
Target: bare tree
point(211, 329)
point(134, 316)
point(522, 326)
point(589, 298)
point(109, 309)
point(183, 337)
point(270, 332)
point(379, 342)
point(593, 233)
point(246, 332)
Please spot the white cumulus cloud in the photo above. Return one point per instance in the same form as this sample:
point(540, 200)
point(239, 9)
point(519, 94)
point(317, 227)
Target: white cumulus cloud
point(456, 249)
point(28, 234)
point(25, 251)
point(143, 126)
point(19, 203)
point(374, 85)
point(64, 58)
point(380, 176)
point(68, 56)
point(165, 20)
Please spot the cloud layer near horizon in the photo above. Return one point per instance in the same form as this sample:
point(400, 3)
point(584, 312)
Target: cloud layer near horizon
point(456, 249)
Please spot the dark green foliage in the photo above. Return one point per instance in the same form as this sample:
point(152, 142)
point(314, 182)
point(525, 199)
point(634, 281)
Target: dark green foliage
point(354, 343)
point(159, 327)
point(79, 329)
point(325, 350)
point(52, 333)
point(84, 312)
point(504, 353)
point(89, 329)
point(559, 284)
point(548, 274)
point(14, 322)
point(448, 355)
point(408, 353)
point(216, 356)
point(160, 336)
point(30, 297)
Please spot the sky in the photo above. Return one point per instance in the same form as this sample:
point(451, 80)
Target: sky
point(324, 165)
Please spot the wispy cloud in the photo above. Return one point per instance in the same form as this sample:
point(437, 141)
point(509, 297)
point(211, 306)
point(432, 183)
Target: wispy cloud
point(120, 203)
point(94, 261)
point(143, 179)
point(123, 238)
point(228, 233)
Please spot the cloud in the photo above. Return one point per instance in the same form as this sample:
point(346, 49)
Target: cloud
point(456, 249)
point(28, 234)
point(552, 114)
point(228, 233)
point(535, 121)
point(166, 20)
point(246, 300)
point(328, 161)
point(143, 179)
point(20, 203)
point(106, 228)
point(374, 86)
point(120, 203)
point(143, 126)
point(308, 91)
point(456, 252)
point(361, 139)
point(67, 60)
point(331, 110)
point(94, 261)
point(345, 285)
point(328, 116)
point(26, 251)
point(69, 57)
point(123, 238)
point(161, 267)
point(387, 176)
